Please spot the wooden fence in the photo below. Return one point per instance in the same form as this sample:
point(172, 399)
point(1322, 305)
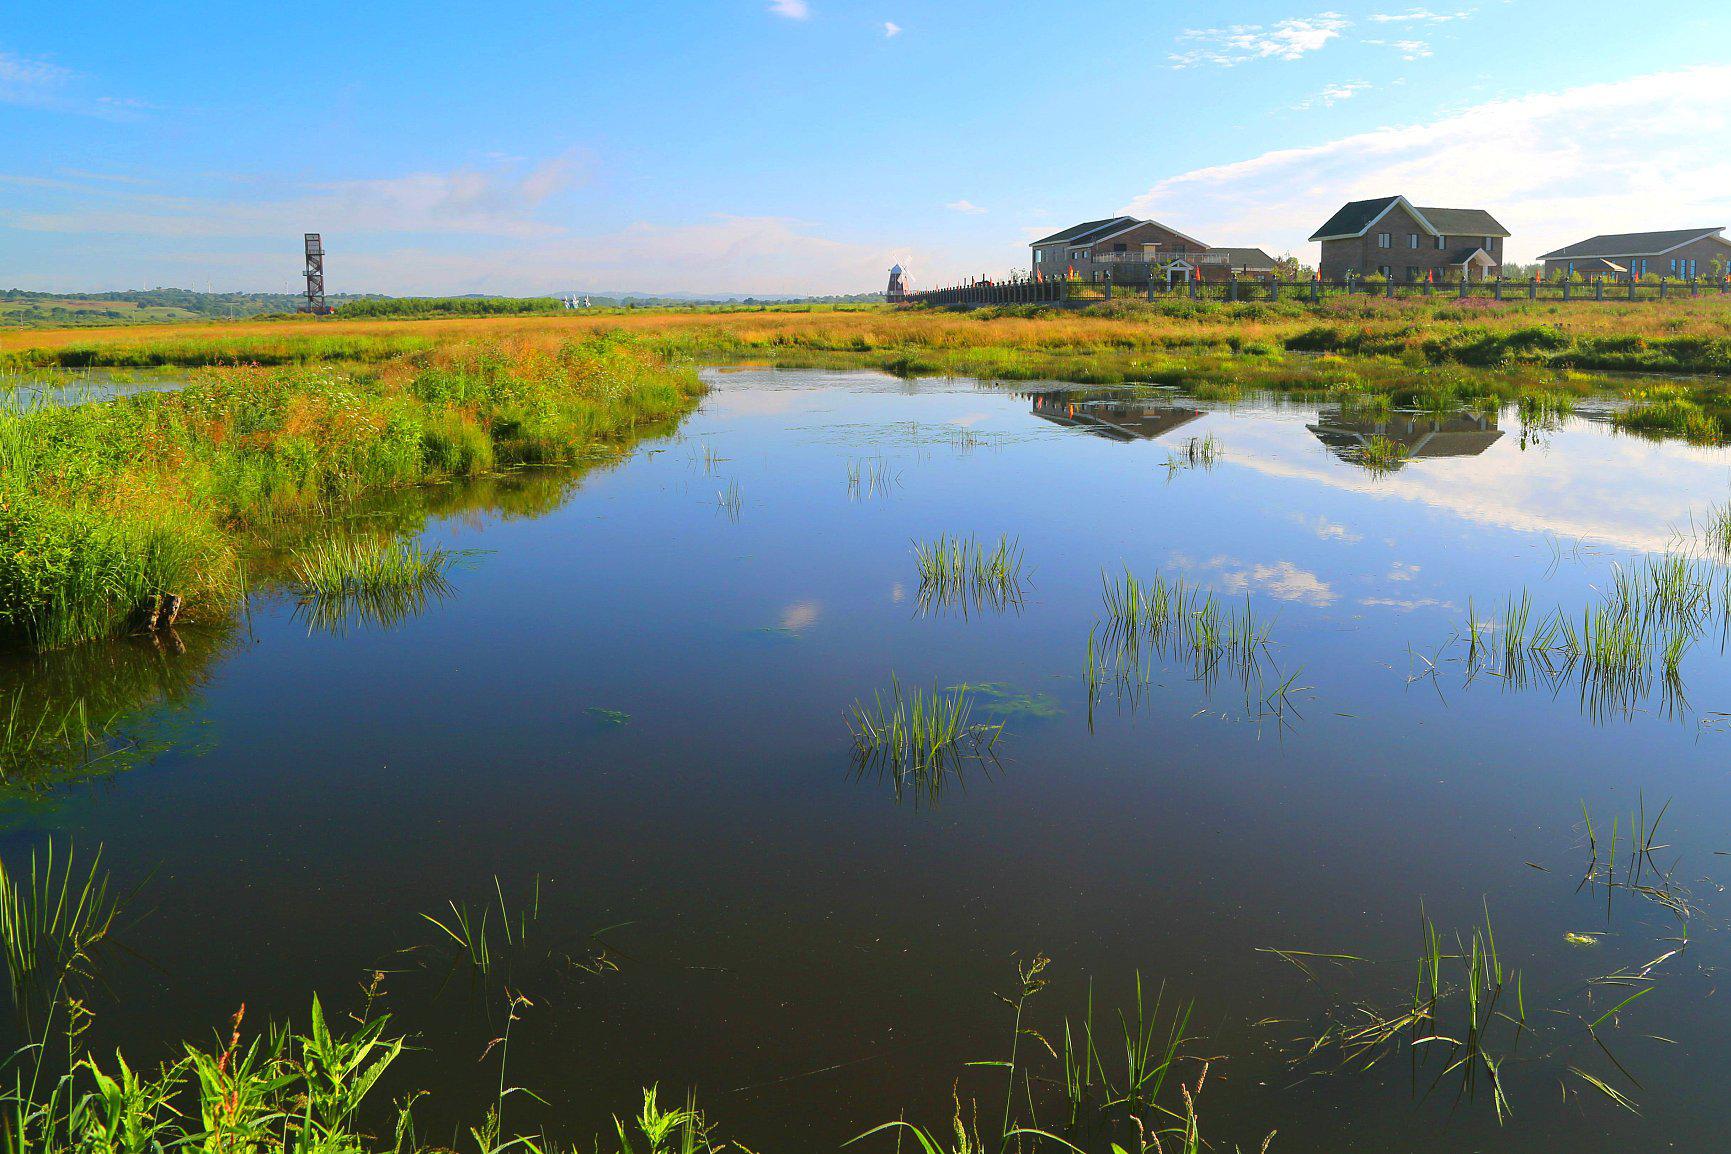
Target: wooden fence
point(1075, 293)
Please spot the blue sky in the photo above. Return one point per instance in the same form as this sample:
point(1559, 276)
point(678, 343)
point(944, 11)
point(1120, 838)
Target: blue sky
point(781, 146)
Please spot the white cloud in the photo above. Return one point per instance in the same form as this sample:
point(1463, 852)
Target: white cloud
point(966, 207)
point(497, 229)
point(1420, 16)
point(1238, 43)
point(1408, 49)
point(1553, 166)
point(34, 83)
point(792, 9)
point(891, 29)
point(500, 201)
point(1333, 94)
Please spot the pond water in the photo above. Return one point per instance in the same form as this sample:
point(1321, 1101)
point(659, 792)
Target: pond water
point(639, 695)
point(80, 386)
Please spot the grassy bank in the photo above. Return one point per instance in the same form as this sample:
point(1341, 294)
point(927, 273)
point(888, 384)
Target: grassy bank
point(1685, 335)
point(117, 513)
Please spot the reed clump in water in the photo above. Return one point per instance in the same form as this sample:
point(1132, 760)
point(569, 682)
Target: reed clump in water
point(1648, 618)
point(963, 570)
point(107, 508)
point(921, 741)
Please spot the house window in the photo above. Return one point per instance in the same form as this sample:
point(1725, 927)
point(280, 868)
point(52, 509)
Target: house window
point(1487, 245)
point(1412, 240)
point(1039, 256)
point(1571, 268)
point(1120, 248)
point(1384, 270)
point(1382, 240)
point(1643, 266)
point(1442, 242)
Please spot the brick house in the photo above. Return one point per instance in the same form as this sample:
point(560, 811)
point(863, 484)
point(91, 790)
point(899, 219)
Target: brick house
point(1392, 237)
point(1686, 253)
point(1126, 250)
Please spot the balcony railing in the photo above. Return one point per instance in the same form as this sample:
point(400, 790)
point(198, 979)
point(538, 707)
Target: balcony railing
point(1158, 257)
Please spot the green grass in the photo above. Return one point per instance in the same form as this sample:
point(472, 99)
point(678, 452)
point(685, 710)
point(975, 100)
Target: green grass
point(104, 508)
point(920, 741)
point(343, 567)
point(1669, 413)
point(963, 570)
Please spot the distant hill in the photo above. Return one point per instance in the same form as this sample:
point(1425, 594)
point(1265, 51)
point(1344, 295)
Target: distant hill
point(23, 308)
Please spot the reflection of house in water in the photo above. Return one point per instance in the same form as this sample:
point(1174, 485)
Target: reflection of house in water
point(1418, 434)
point(1114, 416)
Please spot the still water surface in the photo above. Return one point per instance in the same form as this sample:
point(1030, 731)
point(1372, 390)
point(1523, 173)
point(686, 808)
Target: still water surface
point(637, 695)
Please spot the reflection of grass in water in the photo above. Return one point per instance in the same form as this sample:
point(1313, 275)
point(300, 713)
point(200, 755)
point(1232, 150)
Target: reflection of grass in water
point(920, 741)
point(608, 717)
point(98, 709)
point(962, 570)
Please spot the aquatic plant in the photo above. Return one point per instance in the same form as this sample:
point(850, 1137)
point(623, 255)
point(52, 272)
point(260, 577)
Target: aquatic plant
point(1380, 454)
point(344, 567)
point(467, 928)
point(1197, 453)
point(53, 919)
point(919, 740)
point(964, 571)
point(1096, 1102)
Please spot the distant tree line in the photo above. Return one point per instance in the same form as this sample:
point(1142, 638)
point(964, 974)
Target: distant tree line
point(448, 306)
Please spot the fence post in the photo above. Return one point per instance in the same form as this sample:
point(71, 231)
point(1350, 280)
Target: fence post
point(1108, 290)
point(1498, 294)
point(1274, 286)
point(1231, 287)
point(1694, 287)
point(1316, 288)
point(1565, 288)
point(1661, 288)
point(1631, 284)
point(1466, 282)
point(1389, 289)
point(1599, 288)
point(1191, 281)
point(1150, 284)
point(1533, 289)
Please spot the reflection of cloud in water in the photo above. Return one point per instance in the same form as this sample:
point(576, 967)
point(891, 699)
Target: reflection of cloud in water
point(1281, 580)
point(898, 592)
point(800, 614)
point(1589, 482)
point(1327, 530)
point(1407, 606)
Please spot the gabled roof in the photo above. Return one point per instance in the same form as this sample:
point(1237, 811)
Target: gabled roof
point(1620, 244)
point(1355, 219)
point(1087, 230)
point(1253, 257)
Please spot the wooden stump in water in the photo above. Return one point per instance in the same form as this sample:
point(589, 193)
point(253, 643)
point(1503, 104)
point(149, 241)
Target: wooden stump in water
point(164, 611)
